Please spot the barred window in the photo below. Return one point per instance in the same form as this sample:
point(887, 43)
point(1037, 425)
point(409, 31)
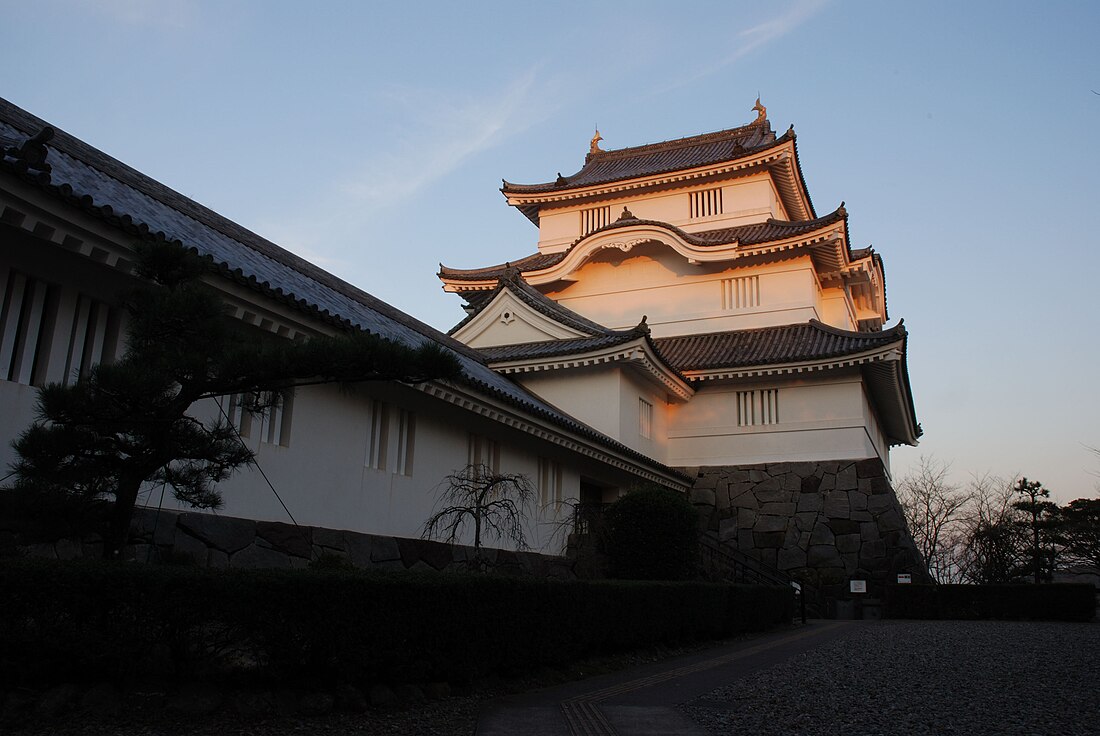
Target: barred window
point(550, 484)
point(406, 442)
point(741, 293)
point(756, 408)
point(378, 435)
point(645, 418)
point(482, 451)
point(706, 203)
point(28, 311)
point(595, 218)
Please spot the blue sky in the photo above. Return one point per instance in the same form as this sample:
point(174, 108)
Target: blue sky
point(372, 138)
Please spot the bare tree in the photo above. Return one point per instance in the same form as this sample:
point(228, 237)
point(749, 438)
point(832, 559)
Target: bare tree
point(993, 548)
point(936, 512)
point(494, 504)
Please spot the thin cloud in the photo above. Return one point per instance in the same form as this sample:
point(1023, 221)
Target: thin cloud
point(752, 39)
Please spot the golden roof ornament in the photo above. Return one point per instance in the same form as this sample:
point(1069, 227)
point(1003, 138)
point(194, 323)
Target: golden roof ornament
point(761, 111)
point(594, 146)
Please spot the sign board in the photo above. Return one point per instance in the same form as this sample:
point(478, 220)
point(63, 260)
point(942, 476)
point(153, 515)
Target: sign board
point(858, 586)
point(904, 578)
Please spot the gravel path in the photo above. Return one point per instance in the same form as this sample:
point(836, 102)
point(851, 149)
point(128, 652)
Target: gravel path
point(936, 677)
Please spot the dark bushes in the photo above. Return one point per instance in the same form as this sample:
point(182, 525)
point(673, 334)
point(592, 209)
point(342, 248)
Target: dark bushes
point(652, 534)
point(1056, 602)
point(84, 621)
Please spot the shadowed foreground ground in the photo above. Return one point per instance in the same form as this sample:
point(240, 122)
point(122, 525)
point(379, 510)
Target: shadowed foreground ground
point(936, 677)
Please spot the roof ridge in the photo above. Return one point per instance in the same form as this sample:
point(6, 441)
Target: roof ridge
point(111, 167)
point(674, 143)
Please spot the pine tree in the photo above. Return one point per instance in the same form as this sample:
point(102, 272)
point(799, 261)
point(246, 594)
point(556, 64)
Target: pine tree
point(1041, 522)
point(127, 423)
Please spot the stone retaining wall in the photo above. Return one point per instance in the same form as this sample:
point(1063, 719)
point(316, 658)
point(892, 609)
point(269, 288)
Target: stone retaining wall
point(222, 541)
point(827, 522)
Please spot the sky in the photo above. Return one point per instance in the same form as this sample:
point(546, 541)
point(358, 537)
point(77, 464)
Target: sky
point(371, 138)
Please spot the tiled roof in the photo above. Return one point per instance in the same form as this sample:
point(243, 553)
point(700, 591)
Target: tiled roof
point(102, 186)
point(556, 348)
point(770, 345)
point(754, 234)
point(510, 281)
point(658, 158)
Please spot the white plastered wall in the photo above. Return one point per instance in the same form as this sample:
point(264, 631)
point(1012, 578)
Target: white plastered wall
point(824, 418)
point(616, 289)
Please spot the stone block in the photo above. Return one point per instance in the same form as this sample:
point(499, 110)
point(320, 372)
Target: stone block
point(878, 504)
point(188, 546)
point(848, 543)
point(791, 482)
point(738, 476)
point(757, 475)
point(790, 539)
point(880, 485)
point(802, 469)
point(255, 556)
point(744, 540)
point(805, 520)
point(828, 466)
point(860, 516)
point(857, 500)
point(743, 497)
point(846, 479)
point(768, 556)
point(891, 521)
point(851, 562)
point(790, 558)
point(828, 482)
point(775, 496)
point(767, 540)
point(746, 518)
point(727, 530)
point(823, 555)
point(705, 496)
point(870, 468)
point(770, 523)
point(836, 505)
point(707, 482)
point(810, 502)
point(434, 554)
point(874, 549)
point(822, 534)
point(384, 549)
point(843, 526)
point(768, 484)
point(868, 530)
point(778, 509)
point(296, 541)
point(227, 533)
point(863, 485)
point(810, 484)
point(330, 539)
point(358, 548)
point(217, 559)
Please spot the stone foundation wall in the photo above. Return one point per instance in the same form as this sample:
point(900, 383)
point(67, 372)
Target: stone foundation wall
point(826, 522)
point(222, 541)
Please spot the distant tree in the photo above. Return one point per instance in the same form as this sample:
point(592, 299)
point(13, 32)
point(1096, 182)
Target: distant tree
point(127, 424)
point(1041, 522)
point(992, 545)
point(652, 534)
point(935, 511)
point(1079, 532)
point(489, 504)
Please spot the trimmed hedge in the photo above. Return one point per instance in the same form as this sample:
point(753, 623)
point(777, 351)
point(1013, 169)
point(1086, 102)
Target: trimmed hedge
point(77, 621)
point(1054, 602)
point(652, 534)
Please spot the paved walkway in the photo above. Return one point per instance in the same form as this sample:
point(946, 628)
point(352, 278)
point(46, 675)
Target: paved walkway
point(642, 701)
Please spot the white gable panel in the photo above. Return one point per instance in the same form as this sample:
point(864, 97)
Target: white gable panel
point(507, 320)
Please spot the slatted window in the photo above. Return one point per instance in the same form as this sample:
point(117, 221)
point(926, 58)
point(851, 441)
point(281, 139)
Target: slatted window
point(645, 418)
point(276, 420)
point(550, 484)
point(239, 415)
point(758, 408)
point(741, 293)
point(706, 203)
point(378, 437)
point(483, 452)
point(28, 314)
point(406, 442)
point(595, 218)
